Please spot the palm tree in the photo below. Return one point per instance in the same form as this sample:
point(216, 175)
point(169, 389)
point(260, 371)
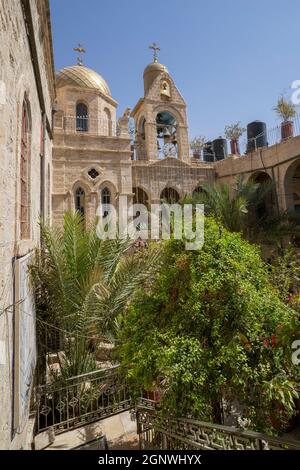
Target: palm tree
point(239, 209)
point(82, 283)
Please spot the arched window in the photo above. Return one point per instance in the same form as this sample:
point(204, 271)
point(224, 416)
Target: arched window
point(140, 196)
point(105, 196)
point(166, 128)
point(107, 127)
point(80, 201)
point(140, 152)
point(105, 200)
point(165, 89)
point(198, 191)
point(82, 117)
point(25, 172)
point(169, 195)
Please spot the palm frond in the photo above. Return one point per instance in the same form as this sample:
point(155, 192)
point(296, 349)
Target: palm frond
point(82, 284)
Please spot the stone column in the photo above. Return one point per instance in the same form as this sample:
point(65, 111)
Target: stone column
point(151, 140)
point(93, 205)
point(183, 142)
point(123, 126)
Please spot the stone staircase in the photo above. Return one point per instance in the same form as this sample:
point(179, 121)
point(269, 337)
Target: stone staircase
point(119, 431)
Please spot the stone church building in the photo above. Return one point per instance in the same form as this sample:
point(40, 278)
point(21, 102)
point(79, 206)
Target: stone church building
point(64, 148)
point(94, 161)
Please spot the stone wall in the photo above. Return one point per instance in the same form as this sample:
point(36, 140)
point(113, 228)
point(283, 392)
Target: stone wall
point(172, 173)
point(74, 155)
point(18, 79)
point(277, 161)
point(101, 110)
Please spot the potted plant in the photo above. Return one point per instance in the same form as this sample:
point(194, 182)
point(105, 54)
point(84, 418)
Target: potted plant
point(197, 145)
point(286, 111)
point(233, 133)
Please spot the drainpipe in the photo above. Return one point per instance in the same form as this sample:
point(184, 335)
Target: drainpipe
point(276, 192)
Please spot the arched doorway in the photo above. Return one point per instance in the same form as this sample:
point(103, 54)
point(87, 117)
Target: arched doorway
point(198, 191)
point(166, 127)
point(266, 206)
point(140, 196)
point(169, 195)
point(292, 187)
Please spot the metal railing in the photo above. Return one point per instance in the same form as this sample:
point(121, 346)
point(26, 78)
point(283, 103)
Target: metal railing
point(81, 400)
point(160, 433)
point(85, 125)
point(272, 136)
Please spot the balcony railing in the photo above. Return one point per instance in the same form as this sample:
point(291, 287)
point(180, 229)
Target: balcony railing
point(81, 400)
point(168, 433)
point(85, 125)
point(272, 136)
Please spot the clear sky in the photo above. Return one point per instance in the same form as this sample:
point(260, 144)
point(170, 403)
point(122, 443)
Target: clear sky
point(230, 59)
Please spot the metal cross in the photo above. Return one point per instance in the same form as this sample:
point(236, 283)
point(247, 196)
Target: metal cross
point(80, 49)
point(155, 48)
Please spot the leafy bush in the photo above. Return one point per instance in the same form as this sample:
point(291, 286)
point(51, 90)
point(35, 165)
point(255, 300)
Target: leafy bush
point(206, 333)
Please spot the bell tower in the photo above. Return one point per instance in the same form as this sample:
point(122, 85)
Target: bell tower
point(160, 117)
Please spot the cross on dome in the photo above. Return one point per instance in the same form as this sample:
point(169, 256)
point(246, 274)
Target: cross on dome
point(80, 49)
point(155, 49)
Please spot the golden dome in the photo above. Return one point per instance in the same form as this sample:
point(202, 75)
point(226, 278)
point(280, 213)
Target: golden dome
point(78, 75)
point(155, 67)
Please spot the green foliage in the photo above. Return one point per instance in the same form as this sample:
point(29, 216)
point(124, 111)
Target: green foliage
point(206, 332)
point(197, 144)
point(239, 210)
point(285, 275)
point(231, 206)
point(234, 131)
point(82, 283)
point(285, 109)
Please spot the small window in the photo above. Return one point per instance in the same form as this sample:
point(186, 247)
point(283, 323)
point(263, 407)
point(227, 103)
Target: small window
point(165, 89)
point(80, 201)
point(93, 173)
point(105, 196)
point(105, 201)
point(82, 118)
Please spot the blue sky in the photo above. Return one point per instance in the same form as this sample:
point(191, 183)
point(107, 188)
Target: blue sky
point(230, 59)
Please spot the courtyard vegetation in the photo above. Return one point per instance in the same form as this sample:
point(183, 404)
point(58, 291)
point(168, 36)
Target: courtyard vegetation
point(209, 331)
point(206, 334)
point(81, 285)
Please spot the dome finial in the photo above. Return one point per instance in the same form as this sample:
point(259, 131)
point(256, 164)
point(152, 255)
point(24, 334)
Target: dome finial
point(80, 49)
point(155, 48)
